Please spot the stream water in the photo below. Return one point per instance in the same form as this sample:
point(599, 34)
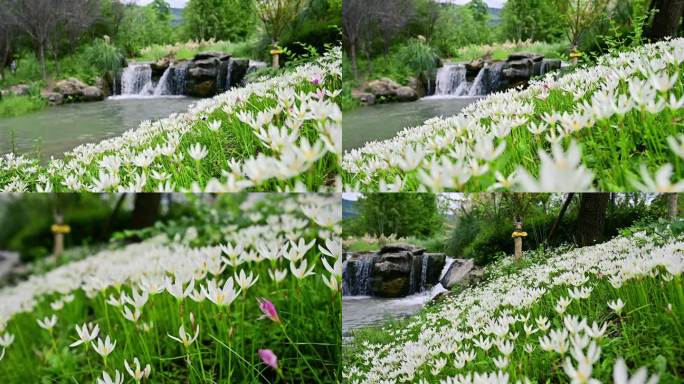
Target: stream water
point(382, 122)
point(56, 130)
point(365, 311)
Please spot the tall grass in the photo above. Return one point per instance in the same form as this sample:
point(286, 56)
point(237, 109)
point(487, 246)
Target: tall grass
point(12, 106)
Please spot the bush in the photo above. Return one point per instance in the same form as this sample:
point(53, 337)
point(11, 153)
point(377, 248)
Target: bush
point(11, 106)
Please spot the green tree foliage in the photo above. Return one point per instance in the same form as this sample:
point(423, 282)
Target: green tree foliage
point(457, 27)
point(540, 20)
point(231, 20)
point(141, 27)
point(401, 214)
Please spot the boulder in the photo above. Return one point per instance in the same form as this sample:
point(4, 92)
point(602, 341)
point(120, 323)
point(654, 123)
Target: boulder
point(70, 88)
point(160, 67)
point(382, 88)
point(211, 55)
point(404, 94)
point(238, 70)
point(435, 264)
point(365, 98)
point(92, 94)
point(401, 247)
point(457, 273)
point(202, 89)
point(53, 98)
point(390, 275)
point(20, 90)
point(519, 69)
point(475, 66)
point(550, 65)
point(525, 56)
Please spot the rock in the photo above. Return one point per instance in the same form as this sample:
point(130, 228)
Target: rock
point(435, 264)
point(390, 275)
point(160, 67)
point(92, 94)
point(475, 66)
point(211, 55)
point(364, 97)
point(70, 88)
point(525, 56)
point(382, 88)
point(404, 94)
point(550, 65)
point(53, 98)
point(20, 90)
point(203, 89)
point(399, 247)
point(520, 69)
point(391, 287)
point(457, 273)
point(238, 70)
point(199, 72)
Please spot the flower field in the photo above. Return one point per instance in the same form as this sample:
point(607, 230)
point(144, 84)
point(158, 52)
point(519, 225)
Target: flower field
point(262, 304)
point(613, 126)
point(278, 134)
point(605, 313)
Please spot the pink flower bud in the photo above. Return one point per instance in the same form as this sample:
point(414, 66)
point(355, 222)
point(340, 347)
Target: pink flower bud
point(269, 358)
point(268, 309)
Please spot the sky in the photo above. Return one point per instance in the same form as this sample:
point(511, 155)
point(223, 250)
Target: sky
point(174, 3)
point(491, 3)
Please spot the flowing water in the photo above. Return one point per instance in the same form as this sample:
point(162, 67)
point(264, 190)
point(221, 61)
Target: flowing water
point(382, 122)
point(364, 311)
point(56, 130)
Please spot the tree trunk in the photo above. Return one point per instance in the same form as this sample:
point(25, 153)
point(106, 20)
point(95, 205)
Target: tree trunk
point(673, 200)
point(666, 21)
point(556, 223)
point(592, 217)
point(354, 64)
point(145, 210)
point(42, 61)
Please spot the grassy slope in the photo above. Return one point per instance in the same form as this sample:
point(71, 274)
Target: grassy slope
point(647, 332)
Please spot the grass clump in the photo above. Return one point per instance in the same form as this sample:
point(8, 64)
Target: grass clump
point(12, 106)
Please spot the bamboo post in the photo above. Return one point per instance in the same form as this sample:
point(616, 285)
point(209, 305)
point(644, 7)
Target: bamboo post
point(59, 229)
point(517, 236)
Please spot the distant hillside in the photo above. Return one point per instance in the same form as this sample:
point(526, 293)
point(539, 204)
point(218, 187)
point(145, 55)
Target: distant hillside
point(495, 14)
point(176, 16)
point(348, 209)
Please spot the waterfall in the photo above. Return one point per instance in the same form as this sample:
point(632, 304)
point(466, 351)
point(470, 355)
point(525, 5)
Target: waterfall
point(357, 275)
point(445, 269)
point(479, 86)
point(163, 85)
point(423, 271)
point(136, 79)
point(180, 74)
point(451, 80)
